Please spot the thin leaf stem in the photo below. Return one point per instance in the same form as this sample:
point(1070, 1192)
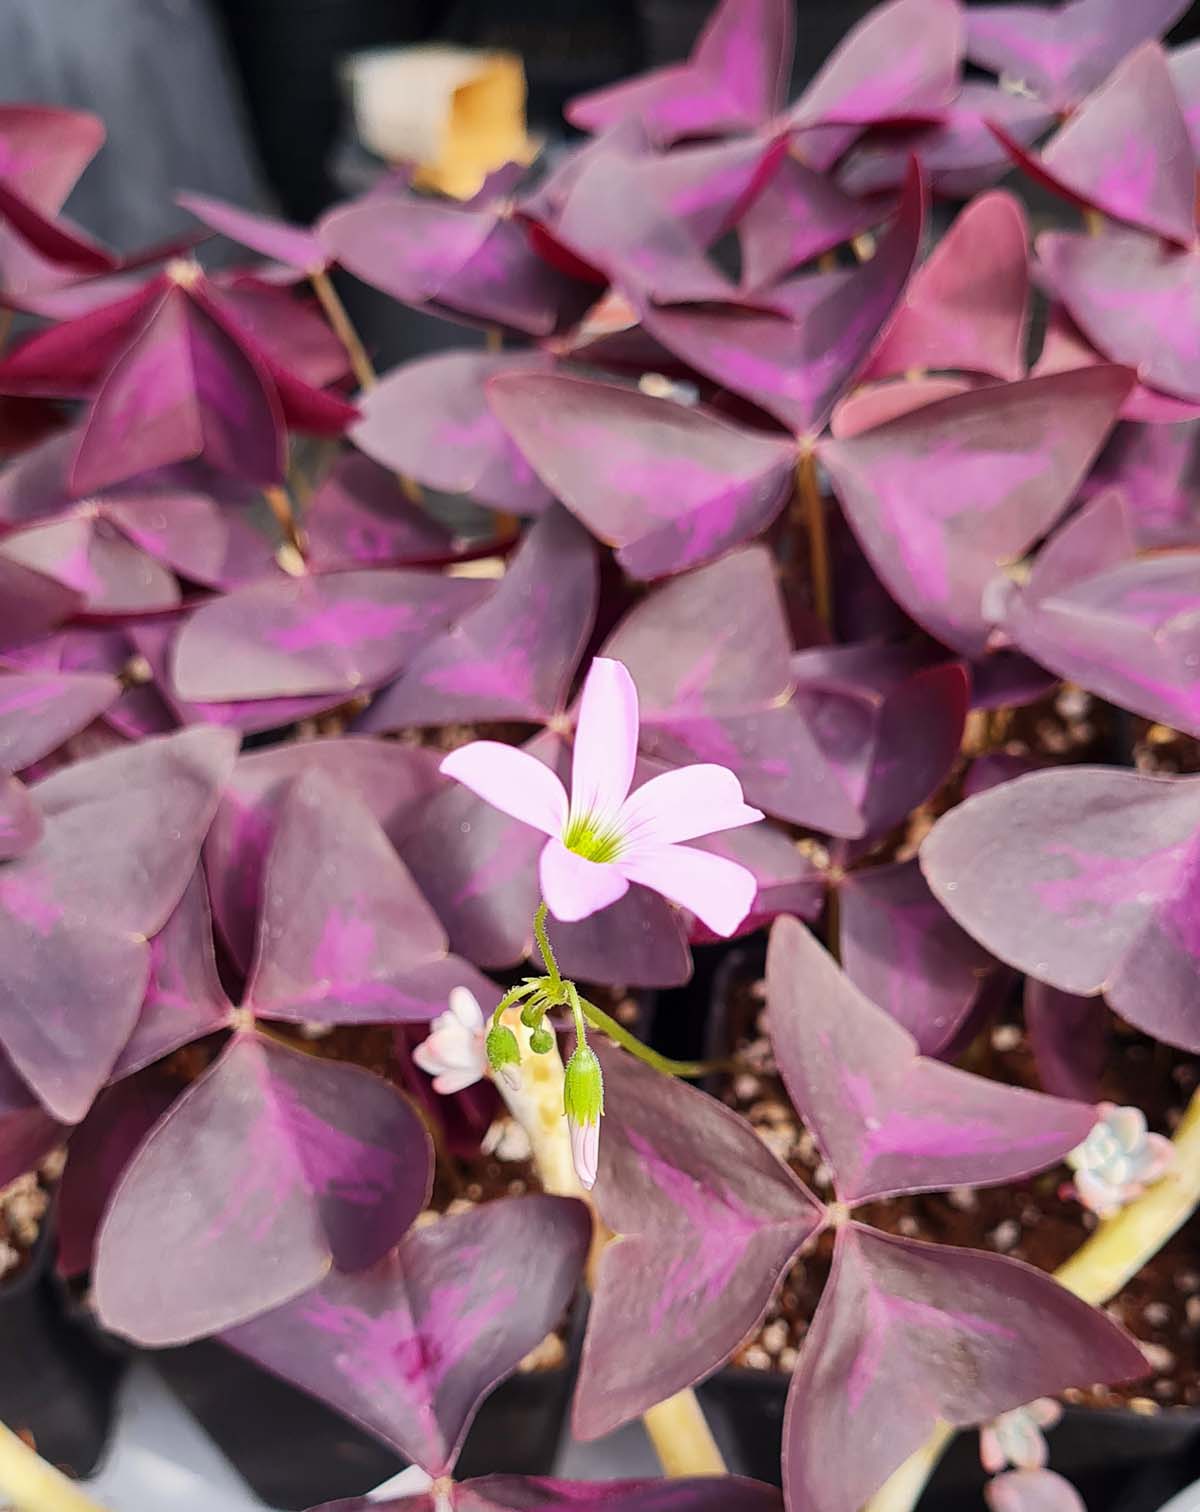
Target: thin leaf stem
point(360, 363)
point(548, 960)
point(1104, 1263)
point(808, 494)
point(688, 1070)
point(285, 517)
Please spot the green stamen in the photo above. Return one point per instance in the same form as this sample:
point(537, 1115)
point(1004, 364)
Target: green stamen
point(592, 841)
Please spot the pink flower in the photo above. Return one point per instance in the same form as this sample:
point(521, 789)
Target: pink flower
point(453, 1051)
point(585, 1151)
point(606, 837)
point(1032, 1491)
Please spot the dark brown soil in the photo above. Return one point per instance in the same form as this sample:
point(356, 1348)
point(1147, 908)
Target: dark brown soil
point(1037, 1220)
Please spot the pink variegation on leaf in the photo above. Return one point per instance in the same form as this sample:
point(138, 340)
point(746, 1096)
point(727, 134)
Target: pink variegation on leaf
point(604, 837)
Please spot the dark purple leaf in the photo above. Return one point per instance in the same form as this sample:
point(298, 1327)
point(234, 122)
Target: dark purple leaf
point(290, 333)
point(476, 262)
point(44, 149)
point(1122, 626)
point(54, 238)
point(430, 419)
point(514, 657)
point(959, 155)
point(1086, 879)
point(902, 950)
point(27, 1131)
point(862, 704)
point(796, 364)
point(100, 1149)
point(708, 1220)
point(88, 555)
point(966, 307)
point(182, 388)
point(69, 360)
point(1126, 151)
point(874, 404)
point(272, 1166)
point(360, 516)
point(887, 1119)
point(20, 819)
point(265, 234)
point(122, 836)
point(291, 637)
point(1153, 466)
point(799, 215)
point(1069, 1037)
point(1063, 52)
point(184, 998)
point(942, 498)
point(909, 1334)
point(478, 869)
point(640, 940)
point(900, 63)
point(668, 484)
point(734, 79)
point(38, 711)
point(33, 603)
point(1125, 292)
point(409, 1348)
point(350, 940)
point(395, 782)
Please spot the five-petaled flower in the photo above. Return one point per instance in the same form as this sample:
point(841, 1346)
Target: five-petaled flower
point(605, 837)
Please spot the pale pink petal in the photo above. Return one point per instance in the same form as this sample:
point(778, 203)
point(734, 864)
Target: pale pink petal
point(1161, 1153)
point(718, 891)
point(991, 1455)
point(574, 888)
point(450, 1082)
point(606, 736)
point(465, 1008)
point(585, 1151)
point(683, 805)
point(512, 781)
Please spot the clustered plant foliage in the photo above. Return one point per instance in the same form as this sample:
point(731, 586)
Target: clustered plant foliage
point(792, 477)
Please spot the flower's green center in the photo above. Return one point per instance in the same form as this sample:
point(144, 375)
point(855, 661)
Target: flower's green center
point(593, 840)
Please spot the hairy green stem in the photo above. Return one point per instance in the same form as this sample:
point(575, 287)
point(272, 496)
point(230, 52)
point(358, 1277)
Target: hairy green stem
point(539, 930)
point(688, 1070)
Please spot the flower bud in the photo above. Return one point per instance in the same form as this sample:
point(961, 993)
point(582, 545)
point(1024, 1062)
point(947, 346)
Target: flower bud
point(541, 1041)
point(533, 1013)
point(583, 1099)
point(504, 1056)
point(1118, 1160)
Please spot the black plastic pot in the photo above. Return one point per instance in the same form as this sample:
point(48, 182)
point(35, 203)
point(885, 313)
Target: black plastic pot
point(294, 1452)
point(59, 1380)
point(1107, 1455)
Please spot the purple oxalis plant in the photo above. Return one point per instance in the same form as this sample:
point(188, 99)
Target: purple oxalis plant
point(788, 529)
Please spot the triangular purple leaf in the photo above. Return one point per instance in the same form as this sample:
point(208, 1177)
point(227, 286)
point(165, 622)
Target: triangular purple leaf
point(518, 1493)
point(941, 498)
point(38, 711)
point(90, 556)
point(409, 1348)
point(796, 364)
point(291, 637)
point(352, 941)
point(27, 1131)
point(1062, 52)
point(395, 783)
point(887, 1119)
point(708, 1220)
point(265, 234)
point(431, 420)
point(1086, 878)
point(515, 656)
point(910, 1334)
point(122, 836)
point(360, 516)
point(966, 307)
point(734, 79)
point(1069, 1038)
point(1126, 151)
point(272, 1166)
point(20, 818)
point(799, 215)
point(669, 485)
